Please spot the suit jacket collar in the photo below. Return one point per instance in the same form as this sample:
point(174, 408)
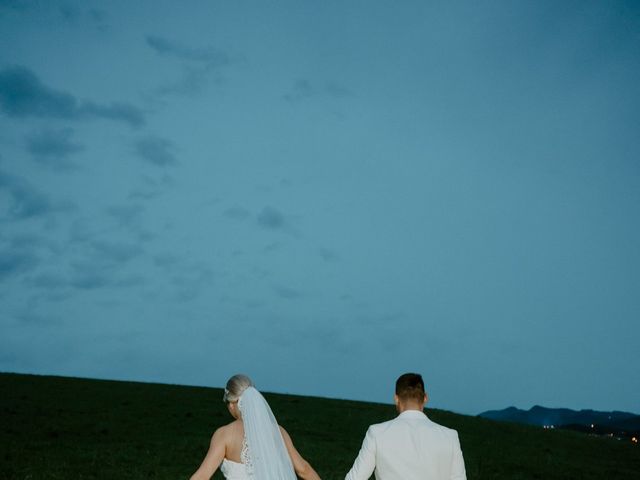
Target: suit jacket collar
point(412, 414)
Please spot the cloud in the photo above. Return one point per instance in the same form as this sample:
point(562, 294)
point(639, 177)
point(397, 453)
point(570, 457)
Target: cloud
point(21, 253)
point(98, 16)
point(187, 279)
point(15, 261)
point(271, 218)
point(151, 187)
point(37, 319)
point(70, 13)
point(80, 231)
point(73, 15)
point(190, 280)
point(116, 252)
point(117, 111)
point(208, 55)
point(156, 150)
point(198, 62)
point(272, 247)
point(337, 91)
point(104, 252)
point(192, 82)
point(330, 336)
point(24, 200)
point(287, 293)
point(103, 266)
point(126, 215)
point(89, 280)
point(48, 281)
point(22, 94)
point(166, 260)
point(131, 281)
point(13, 4)
point(130, 217)
point(140, 194)
point(328, 255)
point(52, 148)
point(303, 89)
point(30, 240)
point(236, 213)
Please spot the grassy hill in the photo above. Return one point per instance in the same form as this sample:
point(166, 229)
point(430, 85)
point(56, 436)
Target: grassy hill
point(69, 428)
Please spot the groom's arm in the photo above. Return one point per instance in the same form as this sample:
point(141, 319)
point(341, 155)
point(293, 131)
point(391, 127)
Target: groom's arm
point(457, 467)
point(365, 463)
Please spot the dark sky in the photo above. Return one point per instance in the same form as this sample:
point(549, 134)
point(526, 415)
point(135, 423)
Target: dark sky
point(325, 195)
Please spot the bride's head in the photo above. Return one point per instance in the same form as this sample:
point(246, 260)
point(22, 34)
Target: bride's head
point(235, 387)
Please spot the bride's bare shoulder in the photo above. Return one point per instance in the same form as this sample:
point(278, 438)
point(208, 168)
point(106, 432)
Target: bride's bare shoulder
point(229, 430)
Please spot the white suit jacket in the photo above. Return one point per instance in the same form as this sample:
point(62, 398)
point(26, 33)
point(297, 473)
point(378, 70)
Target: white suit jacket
point(409, 447)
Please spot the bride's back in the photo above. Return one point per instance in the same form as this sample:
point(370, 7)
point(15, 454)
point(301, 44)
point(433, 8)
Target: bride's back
point(263, 449)
point(234, 440)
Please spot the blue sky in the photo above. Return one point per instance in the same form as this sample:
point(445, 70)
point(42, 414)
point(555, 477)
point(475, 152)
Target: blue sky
point(325, 196)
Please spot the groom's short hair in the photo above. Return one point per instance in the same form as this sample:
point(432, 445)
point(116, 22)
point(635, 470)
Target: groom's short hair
point(410, 386)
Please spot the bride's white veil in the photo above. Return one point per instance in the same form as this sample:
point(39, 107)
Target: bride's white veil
point(268, 456)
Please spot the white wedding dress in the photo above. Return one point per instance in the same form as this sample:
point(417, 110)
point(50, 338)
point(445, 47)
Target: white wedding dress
point(234, 470)
point(264, 455)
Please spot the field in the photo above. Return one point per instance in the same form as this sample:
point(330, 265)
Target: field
point(69, 428)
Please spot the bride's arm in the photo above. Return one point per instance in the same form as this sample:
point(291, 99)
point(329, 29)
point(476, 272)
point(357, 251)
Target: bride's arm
point(303, 469)
point(214, 456)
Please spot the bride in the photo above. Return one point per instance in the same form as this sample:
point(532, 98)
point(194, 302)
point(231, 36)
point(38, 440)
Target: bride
point(253, 446)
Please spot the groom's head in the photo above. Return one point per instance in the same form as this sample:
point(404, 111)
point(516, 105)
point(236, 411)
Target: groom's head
point(410, 394)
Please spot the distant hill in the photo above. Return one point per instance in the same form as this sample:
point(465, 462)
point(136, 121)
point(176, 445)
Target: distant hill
point(604, 422)
point(72, 428)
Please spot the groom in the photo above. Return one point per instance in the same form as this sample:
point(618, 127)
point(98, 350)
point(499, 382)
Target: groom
point(411, 446)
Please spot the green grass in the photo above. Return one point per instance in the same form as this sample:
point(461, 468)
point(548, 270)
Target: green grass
point(69, 428)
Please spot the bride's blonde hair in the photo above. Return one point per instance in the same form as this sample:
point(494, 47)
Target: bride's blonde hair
point(235, 386)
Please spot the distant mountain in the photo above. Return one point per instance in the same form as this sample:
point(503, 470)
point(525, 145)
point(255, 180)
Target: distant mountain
point(604, 422)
